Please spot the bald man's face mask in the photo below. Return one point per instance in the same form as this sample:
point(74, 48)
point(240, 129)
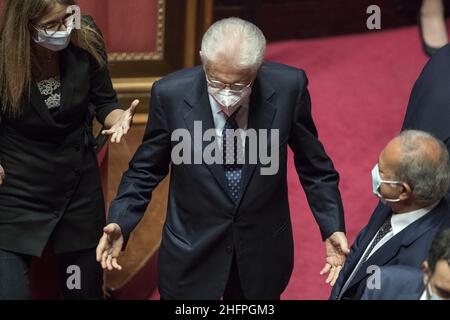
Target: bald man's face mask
point(376, 184)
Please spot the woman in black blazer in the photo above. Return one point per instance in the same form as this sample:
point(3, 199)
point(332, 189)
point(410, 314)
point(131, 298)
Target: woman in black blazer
point(53, 79)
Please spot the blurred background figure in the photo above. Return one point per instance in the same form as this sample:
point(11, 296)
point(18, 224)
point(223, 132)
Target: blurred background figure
point(428, 107)
point(433, 30)
point(408, 283)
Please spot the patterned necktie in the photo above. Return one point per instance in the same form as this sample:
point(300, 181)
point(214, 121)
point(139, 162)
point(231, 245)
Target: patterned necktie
point(384, 230)
point(233, 170)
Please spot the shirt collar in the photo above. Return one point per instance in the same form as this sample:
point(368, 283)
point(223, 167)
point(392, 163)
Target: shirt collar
point(400, 221)
point(424, 295)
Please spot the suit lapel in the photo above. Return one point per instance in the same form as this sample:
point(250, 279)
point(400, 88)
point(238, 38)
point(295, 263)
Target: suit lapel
point(403, 239)
point(261, 115)
point(67, 67)
point(380, 214)
point(199, 109)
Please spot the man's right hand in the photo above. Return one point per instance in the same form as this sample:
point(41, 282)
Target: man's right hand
point(109, 247)
point(2, 175)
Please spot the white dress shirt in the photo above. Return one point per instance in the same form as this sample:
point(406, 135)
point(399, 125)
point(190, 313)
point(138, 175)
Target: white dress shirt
point(220, 118)
point(424, 295)
point(399, 222)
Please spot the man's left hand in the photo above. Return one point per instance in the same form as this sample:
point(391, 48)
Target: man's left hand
point(336, 249)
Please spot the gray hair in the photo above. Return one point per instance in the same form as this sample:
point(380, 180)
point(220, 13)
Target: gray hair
point(237, 39)
point(426, 171)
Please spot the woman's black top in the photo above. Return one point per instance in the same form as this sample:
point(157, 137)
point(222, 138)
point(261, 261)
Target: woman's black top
point(52, 189)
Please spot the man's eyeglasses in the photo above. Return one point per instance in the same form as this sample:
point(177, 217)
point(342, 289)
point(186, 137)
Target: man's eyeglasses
point(50, 28)
point(233, 86)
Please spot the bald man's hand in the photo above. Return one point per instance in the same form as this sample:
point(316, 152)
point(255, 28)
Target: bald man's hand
point(336, 251)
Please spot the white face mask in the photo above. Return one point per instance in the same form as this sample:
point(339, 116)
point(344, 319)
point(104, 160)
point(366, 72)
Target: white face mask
point(376, 184)
point(228, 99)
point(57, 41)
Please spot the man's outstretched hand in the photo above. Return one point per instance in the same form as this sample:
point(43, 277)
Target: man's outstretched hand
point(336, 250)
point(109, 247)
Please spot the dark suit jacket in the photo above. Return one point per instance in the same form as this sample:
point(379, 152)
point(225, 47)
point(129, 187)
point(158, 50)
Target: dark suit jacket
point(204, 225)
point(429, 104)
point(52, 187)
point(397, 283)
point(409, 247)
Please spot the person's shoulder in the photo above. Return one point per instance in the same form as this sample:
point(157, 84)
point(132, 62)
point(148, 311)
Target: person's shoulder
point(399, 273)
point(281, 69)
point(282, 73)
point(442, 55)
point(180, 78)
point(88, 19)
point(90, 22)
point(438, 67)
point(396, 282)
point(406, 279)
point(444, 206)
point(403, 277)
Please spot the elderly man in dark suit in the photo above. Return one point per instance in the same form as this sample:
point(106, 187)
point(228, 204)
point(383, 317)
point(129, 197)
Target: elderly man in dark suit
point(228, 229)
point(411, 179)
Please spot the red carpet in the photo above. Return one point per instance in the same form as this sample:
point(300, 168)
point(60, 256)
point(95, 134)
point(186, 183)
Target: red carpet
point(360, 86)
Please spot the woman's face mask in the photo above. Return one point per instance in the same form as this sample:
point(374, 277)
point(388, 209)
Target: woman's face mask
point(376, 184)
point(54, 40)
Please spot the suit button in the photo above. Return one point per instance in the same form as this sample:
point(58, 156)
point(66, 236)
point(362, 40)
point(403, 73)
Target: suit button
point(56, 213)
point(229, 249)
point(77, 173)
point(77, 147)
